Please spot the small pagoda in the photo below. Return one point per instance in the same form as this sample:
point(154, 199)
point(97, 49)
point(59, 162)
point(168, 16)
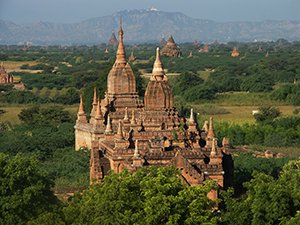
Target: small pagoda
point(113, 40)
point(235, 52)
point(205, 49)
point(171, 49)
point(5, 78)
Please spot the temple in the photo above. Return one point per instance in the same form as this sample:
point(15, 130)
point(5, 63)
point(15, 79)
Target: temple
point(131, 58)
point(124, 132)
point(205, 49)
point(162, 42)
point(5, 78)
point(171, 49)
point(235, 52)
point(113, 40)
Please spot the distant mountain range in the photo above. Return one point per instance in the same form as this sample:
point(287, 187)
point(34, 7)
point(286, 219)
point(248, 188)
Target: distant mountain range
point(146, 26)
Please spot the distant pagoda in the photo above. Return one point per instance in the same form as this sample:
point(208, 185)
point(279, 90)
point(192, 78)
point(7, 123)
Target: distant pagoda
point(235, 52)
point(205, 49)
point(113, 40)
point(5, 78)
point(171, 49)
point(131, 57)
point(163, 41)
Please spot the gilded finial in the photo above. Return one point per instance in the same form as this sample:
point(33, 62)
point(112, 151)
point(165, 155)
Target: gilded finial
point(81, 107)
point(121, 29)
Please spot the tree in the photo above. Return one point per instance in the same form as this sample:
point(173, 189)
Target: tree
point(153, 195)
point(52, 115)
point(185, 81)
point(25, 192)
point(268, 200)
point(267, 114)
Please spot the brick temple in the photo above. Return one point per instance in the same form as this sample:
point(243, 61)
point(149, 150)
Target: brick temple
point(5, 78)
point(124, 132)
point(113, 40)
point(171, 49)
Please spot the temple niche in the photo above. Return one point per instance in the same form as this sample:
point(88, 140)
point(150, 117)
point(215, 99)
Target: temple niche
point(5, 78)
point(171, 49)
point(124, 132)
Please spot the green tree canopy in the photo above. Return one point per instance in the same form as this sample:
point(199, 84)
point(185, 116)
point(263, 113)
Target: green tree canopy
point(149, 196)
point(267, 114)
point(52, 115)
point(24, 191)
point(268, 200)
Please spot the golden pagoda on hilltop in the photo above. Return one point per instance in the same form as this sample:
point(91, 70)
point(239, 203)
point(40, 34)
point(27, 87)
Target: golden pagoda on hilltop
point(171, 49)
point(125, 133)
point(235, 52)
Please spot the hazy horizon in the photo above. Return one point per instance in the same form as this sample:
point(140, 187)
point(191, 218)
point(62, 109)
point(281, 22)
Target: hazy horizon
point(66, 11)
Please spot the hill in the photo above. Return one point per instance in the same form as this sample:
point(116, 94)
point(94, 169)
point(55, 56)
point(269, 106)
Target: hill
point(143, 26)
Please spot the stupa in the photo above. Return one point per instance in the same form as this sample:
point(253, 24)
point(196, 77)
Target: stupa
point(235, 52)
point(171, 49)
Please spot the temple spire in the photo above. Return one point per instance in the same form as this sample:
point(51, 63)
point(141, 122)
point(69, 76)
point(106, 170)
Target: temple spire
point(157, 71)
point(192, 119)
point(211, 132)
point(81, 117)
point(81, 108)
point(94, 105)
point(108, 129)
point(99, 112)
point(205, 126)
point(95, 97)
point(121, 57)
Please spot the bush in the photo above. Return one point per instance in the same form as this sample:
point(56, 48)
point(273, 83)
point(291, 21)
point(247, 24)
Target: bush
point(266, 114)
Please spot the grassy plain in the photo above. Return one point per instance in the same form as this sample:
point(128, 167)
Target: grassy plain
point(293, 152)
point(14, 65)
point(243, 114)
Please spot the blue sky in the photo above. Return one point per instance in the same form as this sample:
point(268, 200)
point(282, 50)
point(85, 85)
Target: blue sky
point(24, 11)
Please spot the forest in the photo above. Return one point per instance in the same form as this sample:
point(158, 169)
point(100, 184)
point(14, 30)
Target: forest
point(40, 169)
